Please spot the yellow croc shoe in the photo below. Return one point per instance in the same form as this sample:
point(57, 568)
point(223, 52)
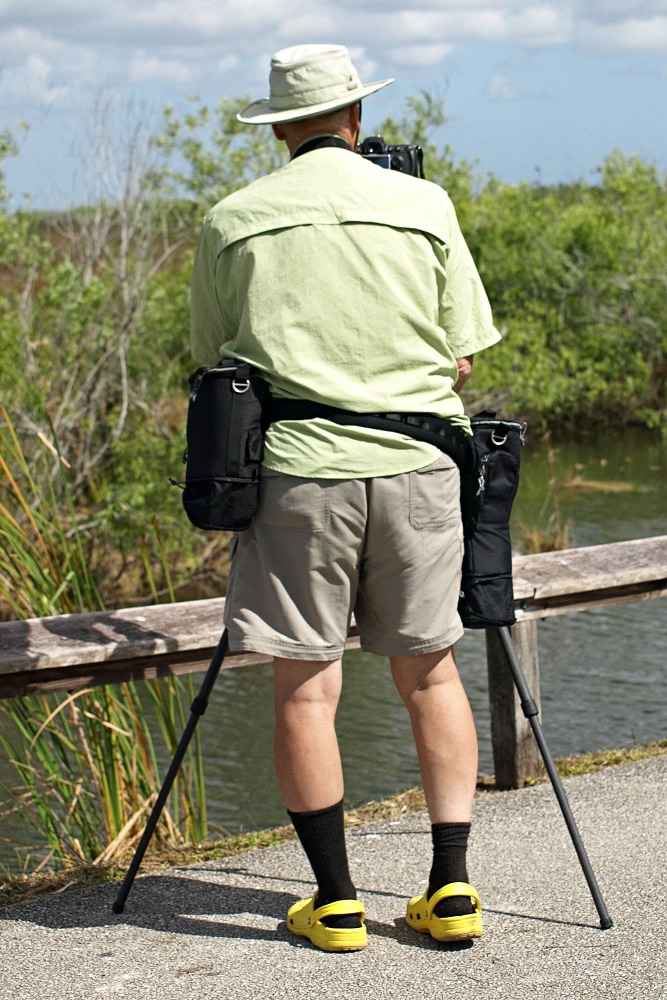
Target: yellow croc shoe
point(420, 915)
point(305, 920)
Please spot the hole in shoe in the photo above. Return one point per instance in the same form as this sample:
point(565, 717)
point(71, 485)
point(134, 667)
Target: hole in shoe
point(454, 906)
point(345, 920)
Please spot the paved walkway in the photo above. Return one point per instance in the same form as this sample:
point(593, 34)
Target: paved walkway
point(217, 930)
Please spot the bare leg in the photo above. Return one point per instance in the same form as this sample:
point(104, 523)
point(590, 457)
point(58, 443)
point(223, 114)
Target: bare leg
point(444, 732)
point(310, 775)
point(307, 757)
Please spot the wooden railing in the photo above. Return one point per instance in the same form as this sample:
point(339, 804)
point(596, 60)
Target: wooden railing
point(559, 583)
point(68, 652)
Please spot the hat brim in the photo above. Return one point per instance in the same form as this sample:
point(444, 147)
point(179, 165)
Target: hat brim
point(260, 113)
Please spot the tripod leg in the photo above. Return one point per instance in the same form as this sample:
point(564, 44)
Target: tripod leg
point(199, 706)
point(530, 710)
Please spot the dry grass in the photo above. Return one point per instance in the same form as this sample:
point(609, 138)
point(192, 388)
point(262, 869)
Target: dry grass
point(578, 484)
point(554, 537)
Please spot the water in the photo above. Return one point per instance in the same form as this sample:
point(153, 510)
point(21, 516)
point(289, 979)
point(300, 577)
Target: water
point(602, 672)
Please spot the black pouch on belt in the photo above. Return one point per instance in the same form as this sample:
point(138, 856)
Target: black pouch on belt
point(489, 483)
point(225, 434)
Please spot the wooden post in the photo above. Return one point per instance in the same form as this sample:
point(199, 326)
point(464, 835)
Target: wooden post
point(516, 755)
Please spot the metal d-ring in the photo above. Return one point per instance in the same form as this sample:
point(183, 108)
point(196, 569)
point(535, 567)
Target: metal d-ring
point(241, 386)
point(498, 441)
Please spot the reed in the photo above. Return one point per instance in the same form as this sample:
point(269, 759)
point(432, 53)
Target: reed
point(86, 764)
point(556, 533)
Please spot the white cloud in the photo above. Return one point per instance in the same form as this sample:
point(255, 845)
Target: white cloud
point(19, 41)
point(169, 30)
point(30, 84)
point(630, 35)
point(426, 54)
point(500, 89)
point(366, 66)
point(174, 43)
point(609, 11)
point(226, 63)
point(144, 68)
point(313, 23)
point(540, 24)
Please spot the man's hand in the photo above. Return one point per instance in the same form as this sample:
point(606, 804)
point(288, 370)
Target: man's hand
point(465, 371)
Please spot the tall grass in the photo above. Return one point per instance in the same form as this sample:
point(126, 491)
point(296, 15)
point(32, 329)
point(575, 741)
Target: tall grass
point(44, 569)
point(556, 534)
point(86, 763)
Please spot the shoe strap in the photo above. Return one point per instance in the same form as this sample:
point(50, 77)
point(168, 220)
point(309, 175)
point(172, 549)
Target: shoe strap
point(339, 908)
point(455, 889)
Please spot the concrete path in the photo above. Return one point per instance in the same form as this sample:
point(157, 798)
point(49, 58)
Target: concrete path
point(216, 931)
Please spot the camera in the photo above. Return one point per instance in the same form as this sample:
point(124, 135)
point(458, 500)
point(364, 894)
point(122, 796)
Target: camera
point(407, 159)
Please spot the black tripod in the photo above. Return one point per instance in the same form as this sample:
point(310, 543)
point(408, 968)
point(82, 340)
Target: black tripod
point(200, 704)
point(531, 712)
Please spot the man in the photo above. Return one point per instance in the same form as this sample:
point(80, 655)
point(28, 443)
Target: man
point(350, 286)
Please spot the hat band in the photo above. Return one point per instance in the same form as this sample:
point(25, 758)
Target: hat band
point(314, 97)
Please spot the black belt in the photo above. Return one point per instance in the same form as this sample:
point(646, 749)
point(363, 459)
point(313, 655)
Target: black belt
point(422, 426)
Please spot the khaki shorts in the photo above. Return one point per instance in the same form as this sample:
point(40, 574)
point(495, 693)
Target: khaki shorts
point(387, 549)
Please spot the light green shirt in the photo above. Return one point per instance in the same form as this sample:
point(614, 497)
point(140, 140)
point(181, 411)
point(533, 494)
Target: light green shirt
point(349, 285)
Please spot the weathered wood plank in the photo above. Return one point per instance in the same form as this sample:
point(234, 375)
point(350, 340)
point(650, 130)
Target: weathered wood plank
point(70, 651)
point(550, 576)
point(103, 636)
point(569, 603)
point(97, 637)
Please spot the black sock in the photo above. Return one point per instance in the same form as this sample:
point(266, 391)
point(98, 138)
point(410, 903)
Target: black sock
point(322, 836)
point(450, 844)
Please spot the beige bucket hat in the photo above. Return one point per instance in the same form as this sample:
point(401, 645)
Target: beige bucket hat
point(309, 80)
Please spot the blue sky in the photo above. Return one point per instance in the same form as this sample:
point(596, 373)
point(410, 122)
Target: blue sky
point(532, 89)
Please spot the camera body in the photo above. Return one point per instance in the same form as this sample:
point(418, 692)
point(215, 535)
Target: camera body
point(404, 158)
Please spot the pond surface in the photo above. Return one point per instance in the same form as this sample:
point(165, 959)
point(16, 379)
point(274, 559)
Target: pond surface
point(603, 678)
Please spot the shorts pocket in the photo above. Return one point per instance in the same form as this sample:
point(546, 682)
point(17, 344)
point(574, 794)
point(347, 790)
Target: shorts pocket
point(434, 494)
point(292, 504)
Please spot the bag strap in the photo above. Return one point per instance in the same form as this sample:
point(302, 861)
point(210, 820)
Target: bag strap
point(421, 426)
point(487, 420)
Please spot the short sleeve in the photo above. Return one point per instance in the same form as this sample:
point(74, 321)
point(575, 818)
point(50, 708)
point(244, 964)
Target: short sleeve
point(465, 311)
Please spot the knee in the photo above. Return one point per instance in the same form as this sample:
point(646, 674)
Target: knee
point(416, 677)
point(305, 691)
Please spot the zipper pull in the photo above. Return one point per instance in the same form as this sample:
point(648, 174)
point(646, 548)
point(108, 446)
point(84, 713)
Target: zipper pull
point(481, 479)
point(197, 381)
